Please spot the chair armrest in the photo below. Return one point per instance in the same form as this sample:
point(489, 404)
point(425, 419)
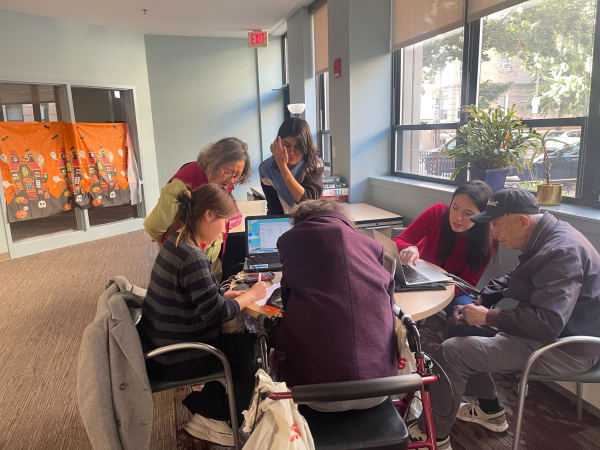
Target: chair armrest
point(559, 342)
point(354, 390)
point(187, 346)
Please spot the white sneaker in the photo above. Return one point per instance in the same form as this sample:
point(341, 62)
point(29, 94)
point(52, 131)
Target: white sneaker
point(210, 430)
point(417, 435)
point(471, 412)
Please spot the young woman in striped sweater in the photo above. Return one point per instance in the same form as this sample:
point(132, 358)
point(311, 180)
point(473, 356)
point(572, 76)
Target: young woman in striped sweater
point(185, 304)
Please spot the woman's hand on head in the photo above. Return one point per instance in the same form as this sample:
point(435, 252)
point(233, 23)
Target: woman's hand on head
point(259, 290)
point(409, 255)
point(279, 152)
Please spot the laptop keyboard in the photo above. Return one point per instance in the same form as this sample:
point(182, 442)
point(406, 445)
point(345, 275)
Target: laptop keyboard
point(412, 276)
point(264, 260)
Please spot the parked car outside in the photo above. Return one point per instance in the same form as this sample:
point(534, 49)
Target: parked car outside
point(565, 137)
point(564, 165)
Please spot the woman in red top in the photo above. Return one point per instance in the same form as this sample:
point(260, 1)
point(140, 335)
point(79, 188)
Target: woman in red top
point(444, 235)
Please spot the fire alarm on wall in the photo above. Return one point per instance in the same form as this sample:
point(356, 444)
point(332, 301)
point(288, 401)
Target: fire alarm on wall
point(337, 68)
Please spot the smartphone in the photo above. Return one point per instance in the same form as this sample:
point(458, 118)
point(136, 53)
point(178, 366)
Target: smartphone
point(253, 278)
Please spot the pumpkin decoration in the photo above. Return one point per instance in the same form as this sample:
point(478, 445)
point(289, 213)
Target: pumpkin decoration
point(68, 207)
point(96, 202)
point(21, 214)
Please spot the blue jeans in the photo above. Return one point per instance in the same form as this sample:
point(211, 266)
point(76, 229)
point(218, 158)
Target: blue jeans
point(460, 300)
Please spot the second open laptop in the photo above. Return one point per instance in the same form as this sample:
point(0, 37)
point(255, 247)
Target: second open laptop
point(409, 275)
point(262, 233)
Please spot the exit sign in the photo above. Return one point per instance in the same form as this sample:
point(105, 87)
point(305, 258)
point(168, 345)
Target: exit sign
point(258, 39)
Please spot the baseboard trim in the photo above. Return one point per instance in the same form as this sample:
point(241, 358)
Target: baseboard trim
point(4, 256)
point(573, 397)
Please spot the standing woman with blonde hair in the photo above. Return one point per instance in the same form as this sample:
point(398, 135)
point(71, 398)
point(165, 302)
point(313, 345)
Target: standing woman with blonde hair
point(185, 304)
point(224, 163)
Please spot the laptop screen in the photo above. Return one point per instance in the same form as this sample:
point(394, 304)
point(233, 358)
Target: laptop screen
point(262, 233)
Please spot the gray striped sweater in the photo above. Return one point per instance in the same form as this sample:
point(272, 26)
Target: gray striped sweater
point(184, 302)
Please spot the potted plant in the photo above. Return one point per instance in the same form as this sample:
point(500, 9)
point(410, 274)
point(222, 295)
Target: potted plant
point(548, 194)
point(491, 143)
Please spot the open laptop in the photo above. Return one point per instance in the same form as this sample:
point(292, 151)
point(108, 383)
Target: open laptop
point(409, 275)
point(262, 233)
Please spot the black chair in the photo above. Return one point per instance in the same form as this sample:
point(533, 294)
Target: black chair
point(377, 428)
point(222, 375)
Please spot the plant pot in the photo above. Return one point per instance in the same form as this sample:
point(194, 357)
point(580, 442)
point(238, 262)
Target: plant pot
point(549, 194)
point(494, 178)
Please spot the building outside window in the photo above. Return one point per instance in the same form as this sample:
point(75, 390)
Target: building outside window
point(547, 77)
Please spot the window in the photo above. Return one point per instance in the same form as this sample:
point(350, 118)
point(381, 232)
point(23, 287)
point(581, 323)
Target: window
point(323, 136)
point(427, 113)
point(321, 51)
point(520, 56)
point(34, 103)
point(285, 75)
point(504, 63)
point(29, 102)
point(284, 60)
point(49, 103)
point(97, 105)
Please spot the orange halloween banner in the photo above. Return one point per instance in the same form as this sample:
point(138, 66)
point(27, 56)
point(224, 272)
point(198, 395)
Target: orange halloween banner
point(47, 168)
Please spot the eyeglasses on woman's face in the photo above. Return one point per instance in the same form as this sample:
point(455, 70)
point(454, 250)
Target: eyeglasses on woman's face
point(230, 174)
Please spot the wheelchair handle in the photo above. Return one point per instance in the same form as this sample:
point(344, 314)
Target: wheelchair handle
point(406, 319)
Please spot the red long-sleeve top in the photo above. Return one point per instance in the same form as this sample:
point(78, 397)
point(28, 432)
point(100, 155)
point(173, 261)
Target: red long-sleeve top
point(425, 233)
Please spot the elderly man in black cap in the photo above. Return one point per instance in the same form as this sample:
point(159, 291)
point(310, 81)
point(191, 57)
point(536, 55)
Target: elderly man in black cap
point(557, 284)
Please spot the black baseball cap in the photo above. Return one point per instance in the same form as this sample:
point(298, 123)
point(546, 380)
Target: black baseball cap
point(508, 201)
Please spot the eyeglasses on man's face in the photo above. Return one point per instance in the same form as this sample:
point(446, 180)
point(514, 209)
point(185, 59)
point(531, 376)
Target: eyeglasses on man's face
point(230, 174)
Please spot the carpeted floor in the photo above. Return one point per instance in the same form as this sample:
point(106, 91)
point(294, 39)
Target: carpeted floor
point(550, 420)
point(47, 300)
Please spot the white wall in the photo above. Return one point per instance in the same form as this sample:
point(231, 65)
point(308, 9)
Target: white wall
point(204, 89)
point(39, 49)
point(360, 100)
point(411, 197)
point(271, 101)
point(301, 64)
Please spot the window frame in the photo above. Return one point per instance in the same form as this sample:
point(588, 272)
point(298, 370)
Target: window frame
point(285, 75)
point(323, 134)
point(588, 185)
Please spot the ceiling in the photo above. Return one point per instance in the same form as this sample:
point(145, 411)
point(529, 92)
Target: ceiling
point(218, 18)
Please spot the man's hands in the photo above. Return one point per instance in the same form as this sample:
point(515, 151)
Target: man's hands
point(469, 315)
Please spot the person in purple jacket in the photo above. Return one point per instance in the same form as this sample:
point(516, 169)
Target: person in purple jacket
point(338, 323)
